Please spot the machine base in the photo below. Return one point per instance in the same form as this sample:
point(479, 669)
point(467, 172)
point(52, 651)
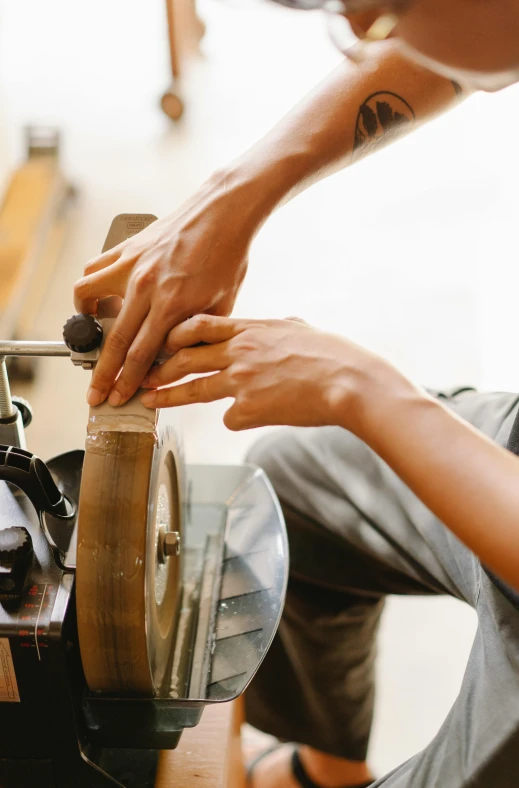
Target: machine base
point(57, 734)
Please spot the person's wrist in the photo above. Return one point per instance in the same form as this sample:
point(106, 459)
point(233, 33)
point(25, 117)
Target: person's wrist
point(358, 403)
point(265, 181)
point(246, 193)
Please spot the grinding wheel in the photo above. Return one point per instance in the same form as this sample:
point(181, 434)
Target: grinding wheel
point(128, 579)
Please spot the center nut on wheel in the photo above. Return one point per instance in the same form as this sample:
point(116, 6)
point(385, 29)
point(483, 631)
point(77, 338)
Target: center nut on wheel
point(168, 544)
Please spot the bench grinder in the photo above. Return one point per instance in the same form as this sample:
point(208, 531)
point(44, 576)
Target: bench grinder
point(134, 590)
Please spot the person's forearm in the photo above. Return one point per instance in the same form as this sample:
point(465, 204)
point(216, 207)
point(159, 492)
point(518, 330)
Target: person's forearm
point(354, 111)
point(469, 482)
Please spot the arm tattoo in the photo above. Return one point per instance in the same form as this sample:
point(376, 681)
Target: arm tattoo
point(382, 117)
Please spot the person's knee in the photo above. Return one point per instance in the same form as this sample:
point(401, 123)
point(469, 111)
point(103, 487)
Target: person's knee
point(270, 453)
point(294, 459)
point(278, 454)
point(287, 461)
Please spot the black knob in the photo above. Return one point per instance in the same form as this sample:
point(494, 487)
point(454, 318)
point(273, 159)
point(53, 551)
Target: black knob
point(15, 560)
point(82, 333)
point(15, 545)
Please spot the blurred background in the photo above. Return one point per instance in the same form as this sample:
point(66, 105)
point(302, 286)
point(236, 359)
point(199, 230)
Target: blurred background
point(412, 253)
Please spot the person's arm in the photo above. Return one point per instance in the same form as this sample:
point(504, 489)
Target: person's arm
point(354, 111)
point(195, 260)
point(286, 372)
point(469, 482)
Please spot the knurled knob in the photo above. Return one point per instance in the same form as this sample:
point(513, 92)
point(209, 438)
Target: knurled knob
point(82, 333)
point(15, 543)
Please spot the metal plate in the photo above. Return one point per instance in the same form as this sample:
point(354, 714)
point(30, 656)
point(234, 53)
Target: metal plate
point(163, 588)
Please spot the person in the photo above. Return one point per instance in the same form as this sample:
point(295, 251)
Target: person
point(386, 488)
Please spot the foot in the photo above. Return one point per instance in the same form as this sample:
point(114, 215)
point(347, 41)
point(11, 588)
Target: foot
point(275, 770)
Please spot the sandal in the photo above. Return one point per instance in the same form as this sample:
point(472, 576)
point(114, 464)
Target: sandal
point(298, 770)
point(252, 765)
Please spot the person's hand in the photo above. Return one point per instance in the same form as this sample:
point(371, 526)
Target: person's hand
point(193, 261)
point(277, 371)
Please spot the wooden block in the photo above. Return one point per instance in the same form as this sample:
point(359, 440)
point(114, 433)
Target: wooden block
point(29, 210)
point(208, 756)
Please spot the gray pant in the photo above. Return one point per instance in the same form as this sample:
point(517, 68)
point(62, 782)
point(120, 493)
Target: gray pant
point(356, 534)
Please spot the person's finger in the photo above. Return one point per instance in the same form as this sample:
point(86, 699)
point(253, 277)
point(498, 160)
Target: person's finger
point(109, 307)
point(90, 289)
point(102, 261)
point(202, 328)
point(297, 320)
point(91, 305)
point(140, 356)
point(237, 419)
point(188, 361)
point(118, 341)
point(207, 389)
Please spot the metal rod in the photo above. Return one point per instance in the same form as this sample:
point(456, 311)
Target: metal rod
point(33, 349)
point(7, 409)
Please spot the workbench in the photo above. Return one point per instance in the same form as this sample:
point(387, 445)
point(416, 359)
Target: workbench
point(208, 756)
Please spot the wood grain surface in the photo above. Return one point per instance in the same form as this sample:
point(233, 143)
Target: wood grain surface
point(110, 577)
point(29, 208)
point(208, 756)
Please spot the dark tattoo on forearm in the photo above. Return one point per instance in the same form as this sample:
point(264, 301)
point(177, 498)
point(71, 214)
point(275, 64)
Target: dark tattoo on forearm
point(382, 117)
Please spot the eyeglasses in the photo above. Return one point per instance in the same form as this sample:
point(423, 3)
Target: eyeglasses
point(341, 16)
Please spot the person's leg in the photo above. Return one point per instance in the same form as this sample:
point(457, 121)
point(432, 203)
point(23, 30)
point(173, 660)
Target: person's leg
point(316, 685)
point(305, 670)
point(478, 744)
point(356, 533)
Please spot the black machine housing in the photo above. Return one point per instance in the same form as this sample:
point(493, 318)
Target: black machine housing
point(55, 733)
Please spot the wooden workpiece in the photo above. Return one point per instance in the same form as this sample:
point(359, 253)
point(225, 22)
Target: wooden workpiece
point(208, 756)
point(32, 225)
